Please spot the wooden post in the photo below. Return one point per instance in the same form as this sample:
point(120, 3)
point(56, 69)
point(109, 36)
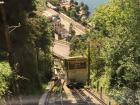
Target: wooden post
point(97, 86)
point(88, 63)
point(101, 93)
point(109, 103)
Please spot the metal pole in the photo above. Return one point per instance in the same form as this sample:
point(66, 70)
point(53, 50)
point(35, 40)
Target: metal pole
point(88, 63)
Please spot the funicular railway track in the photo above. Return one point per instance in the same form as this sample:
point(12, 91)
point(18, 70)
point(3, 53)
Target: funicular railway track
point(83, 98)
point(86, 99)
point(50, 94)
point(97, 98)
point(79, 64)
point(78, 93)
point(61, 94)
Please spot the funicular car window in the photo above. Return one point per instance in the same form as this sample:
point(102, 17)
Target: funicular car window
point(77, 65)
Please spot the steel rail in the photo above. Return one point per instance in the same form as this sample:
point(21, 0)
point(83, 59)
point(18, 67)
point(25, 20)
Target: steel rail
point(49, 93)
point(100, 100)
point(79, 94)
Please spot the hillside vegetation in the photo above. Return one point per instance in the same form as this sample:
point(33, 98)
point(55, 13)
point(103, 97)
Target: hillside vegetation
point(116, 60)
point(29, 57)
point(115, 50)
point(113, 43)
point(5, 75)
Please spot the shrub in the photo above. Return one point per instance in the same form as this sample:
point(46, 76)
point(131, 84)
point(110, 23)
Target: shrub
point(5, 74)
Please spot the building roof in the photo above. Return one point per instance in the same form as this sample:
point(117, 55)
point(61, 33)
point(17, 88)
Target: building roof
point(61, 49)
point(76, 58)
point(50, 12)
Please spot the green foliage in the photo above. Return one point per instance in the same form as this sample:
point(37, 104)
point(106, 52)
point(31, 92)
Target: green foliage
point(41, 32)
point(81, 4)
point(39, 39)
point(116, 25)
point(75, 11)
point(5, 75)
point(56, 2)
point(3, 55)
point(35, 33)
point(71, 30)
point(78, 45)
point(71, 1)
point(40, 5)
point(45, 67)
point(63, 10)
point(73, 14)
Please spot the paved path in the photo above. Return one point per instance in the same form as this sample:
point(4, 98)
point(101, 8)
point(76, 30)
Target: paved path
point(79, 29)
point(61, 49)
point(66, 21)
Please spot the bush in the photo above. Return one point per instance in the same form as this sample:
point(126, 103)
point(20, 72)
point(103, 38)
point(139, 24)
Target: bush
point(5, 74)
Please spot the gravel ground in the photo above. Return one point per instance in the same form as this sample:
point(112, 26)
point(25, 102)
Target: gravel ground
point(24, 100)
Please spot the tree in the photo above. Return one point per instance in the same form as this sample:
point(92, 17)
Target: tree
point(77, 8)
point(81, 4)
point(63, 9)
point(71, 30)
point(42, 37)
point(34, 28)
point(56, 2)
point(71, 2)
point(85, 9)
point(76, 3)
point(78, 45)
point(73, 14)
point(116, 25)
